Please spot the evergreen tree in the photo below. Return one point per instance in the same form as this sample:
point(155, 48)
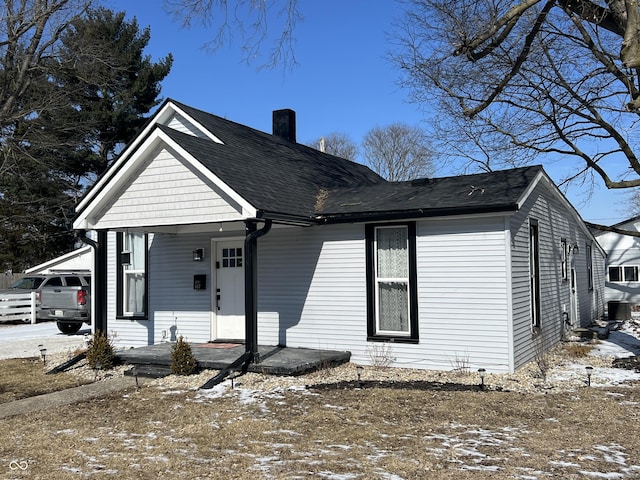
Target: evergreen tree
point(93, 94)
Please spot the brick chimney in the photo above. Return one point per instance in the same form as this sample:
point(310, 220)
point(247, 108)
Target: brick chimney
point(284, 124)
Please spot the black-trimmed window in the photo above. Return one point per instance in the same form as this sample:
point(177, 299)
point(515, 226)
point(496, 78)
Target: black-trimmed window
point(564, 258)
point(131, 283)
point(624, 273)
point(392, 305)
point(534, 273)
point(590, 266)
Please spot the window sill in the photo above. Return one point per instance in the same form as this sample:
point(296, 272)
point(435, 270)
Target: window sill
point(387, 339)
point(132, 317)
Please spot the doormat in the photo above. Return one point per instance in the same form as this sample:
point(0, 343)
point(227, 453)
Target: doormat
point(217, 345)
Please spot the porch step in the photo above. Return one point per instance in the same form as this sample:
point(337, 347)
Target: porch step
point(149, 371)
point(600, 332)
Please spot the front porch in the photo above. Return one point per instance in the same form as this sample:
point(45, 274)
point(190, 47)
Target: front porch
point(155, 360)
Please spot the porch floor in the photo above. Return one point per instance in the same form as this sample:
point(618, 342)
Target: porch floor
point(217, 356)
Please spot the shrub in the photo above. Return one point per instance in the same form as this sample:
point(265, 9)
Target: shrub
point(182, 360)
point(100, 354)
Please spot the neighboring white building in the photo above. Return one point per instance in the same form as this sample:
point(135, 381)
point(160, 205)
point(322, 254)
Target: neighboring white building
point(481, 269)
point(78, 260)
point(623, 262)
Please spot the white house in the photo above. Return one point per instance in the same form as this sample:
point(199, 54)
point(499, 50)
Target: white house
point(214, 231)
point(623, 265)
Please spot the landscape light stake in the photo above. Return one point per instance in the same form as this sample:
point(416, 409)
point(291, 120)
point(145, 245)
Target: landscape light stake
point(96, 370)
point(482, 371)
point(589, 370)
point(359, 370)
point(43, 354)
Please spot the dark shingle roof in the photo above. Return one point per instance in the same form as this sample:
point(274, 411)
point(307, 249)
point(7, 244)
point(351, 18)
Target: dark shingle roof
point(272, 173)
point(484, 192)
point(281, 177)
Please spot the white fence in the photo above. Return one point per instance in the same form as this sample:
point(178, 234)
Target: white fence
point(18, 306)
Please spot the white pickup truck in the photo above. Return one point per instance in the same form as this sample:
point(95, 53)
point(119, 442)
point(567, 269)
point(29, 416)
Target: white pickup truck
point(67, 300)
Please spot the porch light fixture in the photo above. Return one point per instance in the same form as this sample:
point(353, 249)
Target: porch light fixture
point(589, 370)
point(359, 370)
point(482, 372)
point(125, 257)
point(198, 255)
point(575, 249)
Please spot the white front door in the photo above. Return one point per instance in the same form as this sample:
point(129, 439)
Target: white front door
point(229, 299)
point(575, 319)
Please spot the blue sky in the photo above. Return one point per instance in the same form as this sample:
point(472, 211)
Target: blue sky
point(343, 81)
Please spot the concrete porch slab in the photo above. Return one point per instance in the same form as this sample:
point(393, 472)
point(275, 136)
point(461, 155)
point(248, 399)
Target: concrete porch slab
point(274, 360)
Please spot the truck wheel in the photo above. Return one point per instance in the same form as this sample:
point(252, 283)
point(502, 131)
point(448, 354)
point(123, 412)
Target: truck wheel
point(69, 328)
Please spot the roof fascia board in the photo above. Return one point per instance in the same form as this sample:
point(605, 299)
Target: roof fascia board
point(542, 177)
point(418, 214)
point(60, 259)
point(198, 125)
point(152, 142)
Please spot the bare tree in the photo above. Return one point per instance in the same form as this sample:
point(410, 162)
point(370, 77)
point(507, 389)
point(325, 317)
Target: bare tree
point(553, 77)
point(253, 22)
point(398, 152)
point(29, 30)
point(338, 144)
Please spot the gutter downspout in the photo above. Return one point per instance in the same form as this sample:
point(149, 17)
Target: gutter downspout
point(99, 280)
point(251, 286)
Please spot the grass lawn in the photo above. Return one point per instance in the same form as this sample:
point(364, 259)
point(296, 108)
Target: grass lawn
point(404, 430)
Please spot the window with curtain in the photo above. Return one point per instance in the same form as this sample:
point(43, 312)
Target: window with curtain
point(392, 306)
point(132, 267)
point(392, 279)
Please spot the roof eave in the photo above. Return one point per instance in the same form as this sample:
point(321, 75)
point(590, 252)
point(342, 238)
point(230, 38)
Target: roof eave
point(286, 218)
point(414, 213)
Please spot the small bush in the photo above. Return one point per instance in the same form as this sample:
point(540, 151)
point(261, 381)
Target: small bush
point(100, 354)
point(182, 360)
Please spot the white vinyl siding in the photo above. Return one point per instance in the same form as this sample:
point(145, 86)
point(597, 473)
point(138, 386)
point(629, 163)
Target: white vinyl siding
point(312, 293)
point(312, 290)
point(463, 293)
point(174, 306)
point(555, 222)
point(166, 192)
